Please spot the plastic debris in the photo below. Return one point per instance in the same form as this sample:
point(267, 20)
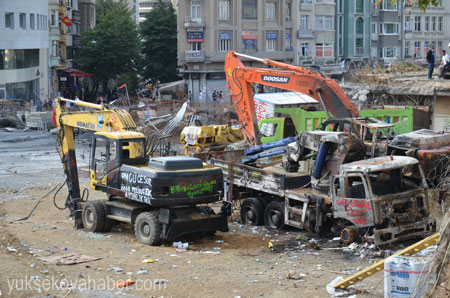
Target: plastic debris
point(160, 281)
point(353, 246)
point(332, 291)
point(219, 241)
point(270, 245)
point(33, 265)
point(149, 261)
point(11, 249)
point(34, 277)
point(216, 248)
point(252, 281)
point(115, 268)
point(181, 245)
point(123, 283)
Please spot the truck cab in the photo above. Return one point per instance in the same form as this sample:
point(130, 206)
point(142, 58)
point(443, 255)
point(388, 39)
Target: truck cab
point(380, 198)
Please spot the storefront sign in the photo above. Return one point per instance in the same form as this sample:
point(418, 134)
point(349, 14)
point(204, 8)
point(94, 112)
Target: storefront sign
point(271, 35)
point(194, 36)
point(224, 35)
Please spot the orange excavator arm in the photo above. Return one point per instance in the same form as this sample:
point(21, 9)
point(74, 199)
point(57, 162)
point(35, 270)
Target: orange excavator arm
point(284, 76)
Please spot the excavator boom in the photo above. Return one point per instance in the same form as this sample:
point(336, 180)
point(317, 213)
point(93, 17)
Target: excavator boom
point(288, 77)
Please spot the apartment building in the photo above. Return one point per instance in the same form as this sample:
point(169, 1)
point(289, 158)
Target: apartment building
point(87, 11)
point(147, 5)
point(316, 35)
point(24, 49)
point(421, 30)
point(353, 22)
point(207, 30)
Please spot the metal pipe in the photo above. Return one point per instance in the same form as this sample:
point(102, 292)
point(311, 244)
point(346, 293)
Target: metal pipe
point(251, 58)
point(81, 103)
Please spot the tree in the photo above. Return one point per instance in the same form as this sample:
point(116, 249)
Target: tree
point(159, 33)
point(112, 48)
point(422, 4)
point(103, 6)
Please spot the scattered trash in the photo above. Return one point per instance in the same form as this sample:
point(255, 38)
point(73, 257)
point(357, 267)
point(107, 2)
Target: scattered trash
point(270, 245)
point(181, 245)
point(294, 275)
point(216, 248)
point(299, 237)
point(258, 260)
point(353, 246)
point(174, 266)
point(210, 252)
point(45, 271)
point(252, 281)
point(160, 281)
point(180, 250)
point(33, 265)
point(34, 277)
point(337, 239)
point(149, 261)
point(93, 235)
point(115, 268)
point(11, 249)
point(123, 283)
point(64, 248)
point(219, 241)
point(332, 291)
point(26, 245)
point(68, 259)
point(142, 271)
point(125, 247)
point(347, 272)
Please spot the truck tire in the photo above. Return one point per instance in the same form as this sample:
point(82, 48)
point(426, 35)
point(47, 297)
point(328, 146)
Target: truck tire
point(93, 216)
point(252, 212)
point(274, 216)
point(147, 228)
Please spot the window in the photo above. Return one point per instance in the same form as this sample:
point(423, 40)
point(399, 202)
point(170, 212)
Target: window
point(304, 49)
point(389, 28)
point(224, 10)
point(271, 11)
point(288, 41)
point(23, 21)
point(55, 44)
point(359, 6)
point(304, 22)
point(324, 23)
point(389, 52)
point(271, 41)
point(433, 24)
point(9, 20)
point(32, 21)
point(341, 6)
point(359, 38)
point(407, 24)
point(387, 5)
point(53, 18)
point(417, 22)
point(340, 35)
point(45, 22)
point(224, 41)
point(407, 52)
point(249, 9)
point(287, 11)
point(373, 29)
point(440, 21)
point(359, 25)
point(440, 46)
point(427, 24)
point(196, 46)
point(305, 1)
point(196, 10)
point(426, 45)
point(324, 50)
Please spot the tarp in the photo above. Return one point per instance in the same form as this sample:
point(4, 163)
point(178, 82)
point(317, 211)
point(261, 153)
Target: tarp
point(77, 73)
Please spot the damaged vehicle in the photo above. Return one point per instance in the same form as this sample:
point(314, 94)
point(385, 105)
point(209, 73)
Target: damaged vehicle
point(381, 200)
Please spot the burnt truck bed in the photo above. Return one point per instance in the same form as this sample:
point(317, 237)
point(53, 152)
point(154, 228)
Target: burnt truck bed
point(273, 180)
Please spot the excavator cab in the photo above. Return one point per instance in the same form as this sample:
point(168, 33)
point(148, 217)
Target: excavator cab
point(110, 150)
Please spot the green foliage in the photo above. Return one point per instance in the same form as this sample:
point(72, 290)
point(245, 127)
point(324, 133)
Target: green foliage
point(422, 4)
point(159, 32)
point(103, 6)
point(112, 48)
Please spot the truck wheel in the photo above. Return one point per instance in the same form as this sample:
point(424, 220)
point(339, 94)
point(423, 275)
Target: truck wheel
point(349, 235)
point(274, 216)
point(147, 228)
point(93, 216)
point(252, 212)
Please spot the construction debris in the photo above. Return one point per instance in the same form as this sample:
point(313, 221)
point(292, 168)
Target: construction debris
point(68, 259)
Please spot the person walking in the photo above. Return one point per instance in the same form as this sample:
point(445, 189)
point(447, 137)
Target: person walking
point(431, 60)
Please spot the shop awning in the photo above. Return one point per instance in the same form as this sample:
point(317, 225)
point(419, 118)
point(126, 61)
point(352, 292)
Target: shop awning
point(77, 73)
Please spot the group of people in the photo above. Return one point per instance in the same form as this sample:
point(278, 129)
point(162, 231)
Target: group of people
point(217, 96)
point(431, 59)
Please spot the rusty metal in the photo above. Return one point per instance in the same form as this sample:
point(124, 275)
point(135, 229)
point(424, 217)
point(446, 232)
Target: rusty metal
point(348, 235)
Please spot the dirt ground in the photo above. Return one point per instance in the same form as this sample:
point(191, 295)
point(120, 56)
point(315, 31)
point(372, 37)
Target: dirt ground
point(234, 264)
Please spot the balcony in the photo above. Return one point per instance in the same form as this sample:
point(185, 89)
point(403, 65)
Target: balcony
point(193, 22)
point(306, 33)
point(54, 61)
point(194, 56)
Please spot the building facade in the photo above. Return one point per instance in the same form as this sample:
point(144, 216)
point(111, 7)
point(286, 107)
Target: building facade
point(87, 15)
point(24, 46)
point(207, 30)
point(316, 34)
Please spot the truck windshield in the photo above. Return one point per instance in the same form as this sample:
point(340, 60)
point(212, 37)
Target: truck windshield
point(394, 180)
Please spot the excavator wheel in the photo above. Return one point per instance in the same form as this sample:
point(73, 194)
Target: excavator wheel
point(147, 228)
point(274, 216)
point(94, 216)
point(252, 212)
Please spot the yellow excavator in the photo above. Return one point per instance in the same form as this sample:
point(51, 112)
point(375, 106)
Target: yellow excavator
point(164, 197)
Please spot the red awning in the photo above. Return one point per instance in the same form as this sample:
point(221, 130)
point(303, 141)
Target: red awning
point(77, 73)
